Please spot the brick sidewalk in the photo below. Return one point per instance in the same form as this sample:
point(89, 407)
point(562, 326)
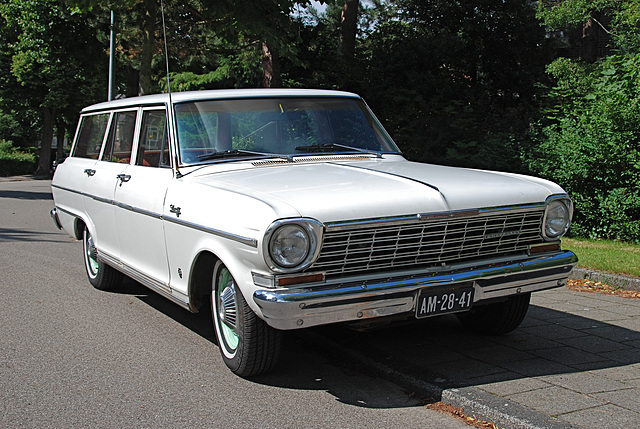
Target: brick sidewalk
point(574, 362)
point(579, 359)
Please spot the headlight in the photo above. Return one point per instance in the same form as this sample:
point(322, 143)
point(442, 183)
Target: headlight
point(557, 218)
point(289, 245)
point(292, 245)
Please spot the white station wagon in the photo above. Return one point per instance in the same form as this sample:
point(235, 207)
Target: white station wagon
point(284, 209)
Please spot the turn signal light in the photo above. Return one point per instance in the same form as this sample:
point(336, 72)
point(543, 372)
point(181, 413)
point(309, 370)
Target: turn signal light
point(551, 247)
point(295, 280)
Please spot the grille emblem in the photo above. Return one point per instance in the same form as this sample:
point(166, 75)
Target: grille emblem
point(502, 234)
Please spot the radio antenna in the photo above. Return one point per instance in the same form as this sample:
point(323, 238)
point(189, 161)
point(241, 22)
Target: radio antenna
point(166, 49)
point(166, 59)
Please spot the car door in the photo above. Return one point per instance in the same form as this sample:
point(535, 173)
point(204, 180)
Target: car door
point(71, 176)
point(140, 199)
point(108, 175)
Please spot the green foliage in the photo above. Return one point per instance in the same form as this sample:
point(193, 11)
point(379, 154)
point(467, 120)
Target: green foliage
point(589, 141)
point(235, 71)
point(625, 17)
point(561, 13)
point(14, 162)
point(47, 69)
point(454, 81)
point(591, 145)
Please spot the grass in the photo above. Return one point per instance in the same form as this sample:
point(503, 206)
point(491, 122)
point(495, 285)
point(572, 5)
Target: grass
point(605, 255)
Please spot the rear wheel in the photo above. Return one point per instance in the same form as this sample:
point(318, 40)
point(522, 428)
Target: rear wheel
point(247, 344)
point(497, 318)
point(100, 275)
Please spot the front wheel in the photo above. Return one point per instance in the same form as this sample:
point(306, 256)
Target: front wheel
point(101, 275)
point(497, 318)
point(247, 344)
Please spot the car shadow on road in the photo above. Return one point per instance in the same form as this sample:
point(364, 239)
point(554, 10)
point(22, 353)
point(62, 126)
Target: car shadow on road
point(304, 364)
point(549, 342)
point(26, 195)
point(20, 234)
point(436, 351)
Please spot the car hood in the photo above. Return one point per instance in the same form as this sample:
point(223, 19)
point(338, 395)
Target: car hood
point(339, 191)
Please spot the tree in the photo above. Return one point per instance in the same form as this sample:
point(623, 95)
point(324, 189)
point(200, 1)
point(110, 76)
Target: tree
point(348, 28)
point(225, 27)
point(47, 57)
point(590, 139)
point(456, 81)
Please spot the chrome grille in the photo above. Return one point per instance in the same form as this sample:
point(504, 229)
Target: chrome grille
point(348, 250)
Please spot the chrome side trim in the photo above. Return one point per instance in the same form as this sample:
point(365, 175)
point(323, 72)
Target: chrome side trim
point(70, 190)
point(244, 240)
point(156, 286)
point(138, 210)
point(60, 209)
point(303, 307)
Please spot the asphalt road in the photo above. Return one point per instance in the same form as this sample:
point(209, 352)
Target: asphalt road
point(72, 356)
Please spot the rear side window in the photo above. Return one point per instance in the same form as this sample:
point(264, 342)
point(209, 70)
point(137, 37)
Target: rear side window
point(90, 136)
point(120, 140)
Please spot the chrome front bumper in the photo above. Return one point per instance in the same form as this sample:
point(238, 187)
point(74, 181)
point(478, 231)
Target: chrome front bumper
point(304, 307)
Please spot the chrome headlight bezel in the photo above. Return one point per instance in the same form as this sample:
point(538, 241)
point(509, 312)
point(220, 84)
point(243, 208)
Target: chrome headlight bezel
point(309, 236)
point(557, 217)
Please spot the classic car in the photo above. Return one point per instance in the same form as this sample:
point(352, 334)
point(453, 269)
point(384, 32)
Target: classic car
point(286, 209)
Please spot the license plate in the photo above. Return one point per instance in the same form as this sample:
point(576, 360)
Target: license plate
point(433, 302)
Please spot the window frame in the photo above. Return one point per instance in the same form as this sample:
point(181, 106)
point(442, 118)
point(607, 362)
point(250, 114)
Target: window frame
point(108, 135)
point(81, 122)
point(144, 110)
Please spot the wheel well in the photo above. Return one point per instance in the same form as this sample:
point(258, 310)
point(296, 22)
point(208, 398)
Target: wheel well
point(79, 228)
point(200, 282)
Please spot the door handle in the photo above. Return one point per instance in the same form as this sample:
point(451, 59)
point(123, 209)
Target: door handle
point(123, 178)
point(89, 172)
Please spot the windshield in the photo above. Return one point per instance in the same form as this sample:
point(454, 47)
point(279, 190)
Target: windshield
point(276, 126)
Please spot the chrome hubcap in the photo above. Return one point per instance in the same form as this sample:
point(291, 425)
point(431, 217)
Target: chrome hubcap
point(228, 310)
point(92, 255)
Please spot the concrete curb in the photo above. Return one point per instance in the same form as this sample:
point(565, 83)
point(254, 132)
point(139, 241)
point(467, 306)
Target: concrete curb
point(503, 413)
point(623, 282)
point(20, 178)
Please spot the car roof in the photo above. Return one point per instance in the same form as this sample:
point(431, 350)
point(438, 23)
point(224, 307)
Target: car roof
point(220, 94)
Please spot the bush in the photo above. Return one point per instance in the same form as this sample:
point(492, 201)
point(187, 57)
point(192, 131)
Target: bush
point(591, 145)
point(14, 162)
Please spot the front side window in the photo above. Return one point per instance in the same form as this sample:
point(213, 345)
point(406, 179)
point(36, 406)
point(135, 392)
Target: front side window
point(279, 126)
point(153, 147)
point(90, 136)
point(120, 139)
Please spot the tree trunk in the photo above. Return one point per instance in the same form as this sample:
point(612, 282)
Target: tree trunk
point(348, 27)
point(271, 66)
point(61, 131)
point(148, 42)
point(133, 81)
point(44, 163)
point(589, 51)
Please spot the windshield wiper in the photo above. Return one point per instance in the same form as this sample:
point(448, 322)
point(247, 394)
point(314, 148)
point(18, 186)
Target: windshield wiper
point(240, 152)
point(324, 147)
